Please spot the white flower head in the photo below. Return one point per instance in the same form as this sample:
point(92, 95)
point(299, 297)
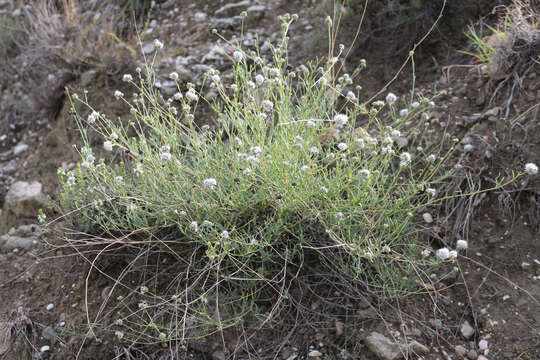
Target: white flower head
point(177, 96)
point(427, 218)
point(158, 44)
point(166, 156)
point(144, 289)
point(405, 159)
point(255, 150)
point(267, 105)
point(119, 334)
point(468, 147)
point(531, 169)
point(426, 252)
point(42, 218)
point(210, 183)
point(304, 168)
point(403, 113)
point(119, 178)
point(259, 79)
point(246, 172)
point(431, 191)
point(342, 146)
point(173, 76)
point(238, 56)
point(431, 158)
point(391, 98)
point(351, 96)
point(92, 117)
point(341, 120)
point(127, 78)
point(216, 79)
point(273, 72)
point(364, 172)
point(378, 103)
point(194, 226)
point(191, 95)
point(118, 94)
point(453, 254)
point(224, 234)
point(107, 145)
point(143, 305)
point(314, 150)
point(443, 253)
point(462, 245)
point(415, 104)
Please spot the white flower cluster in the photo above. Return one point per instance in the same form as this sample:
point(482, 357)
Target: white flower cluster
point(391, 98)
point(267, 105)
point(158, 44)
point(92, 117)
point(341, 120)
point(404, 159)
point(191, 95)
point(238, 56)
point(445, 253)
point(531, 169)
point(210, 183)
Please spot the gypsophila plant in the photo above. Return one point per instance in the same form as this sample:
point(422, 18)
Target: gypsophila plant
point(295, 184)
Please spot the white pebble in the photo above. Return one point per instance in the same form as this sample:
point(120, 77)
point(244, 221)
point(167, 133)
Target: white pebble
point(483, 345)
point(44, 348)
point(50, 307)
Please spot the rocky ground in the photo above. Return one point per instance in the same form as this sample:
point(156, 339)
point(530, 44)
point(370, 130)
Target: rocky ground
point(489, 310)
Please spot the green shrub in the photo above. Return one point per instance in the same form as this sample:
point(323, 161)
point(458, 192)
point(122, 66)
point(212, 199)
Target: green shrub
point(292, 185)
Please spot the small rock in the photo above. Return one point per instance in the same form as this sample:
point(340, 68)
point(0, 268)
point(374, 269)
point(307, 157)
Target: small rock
point(383, 347)
point(218, 355)
point(232, 9)
point(45, 348)
point(482, 357)
point(416, 348)
point(255, 13)
point(460, 350)
point(493, 111)
point(315, 353)
point(339, 328)
point(50, 306)
point(14, 242)
point(472, 355)
point(21, 204)
point(225, 23)
point(19, 148)
point(483, 344)
point(88, 78)
point(436, 323)
point(467, 330)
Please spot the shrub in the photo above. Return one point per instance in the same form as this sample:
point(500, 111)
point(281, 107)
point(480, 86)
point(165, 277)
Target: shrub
point(512, 46)
point(294, 188)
